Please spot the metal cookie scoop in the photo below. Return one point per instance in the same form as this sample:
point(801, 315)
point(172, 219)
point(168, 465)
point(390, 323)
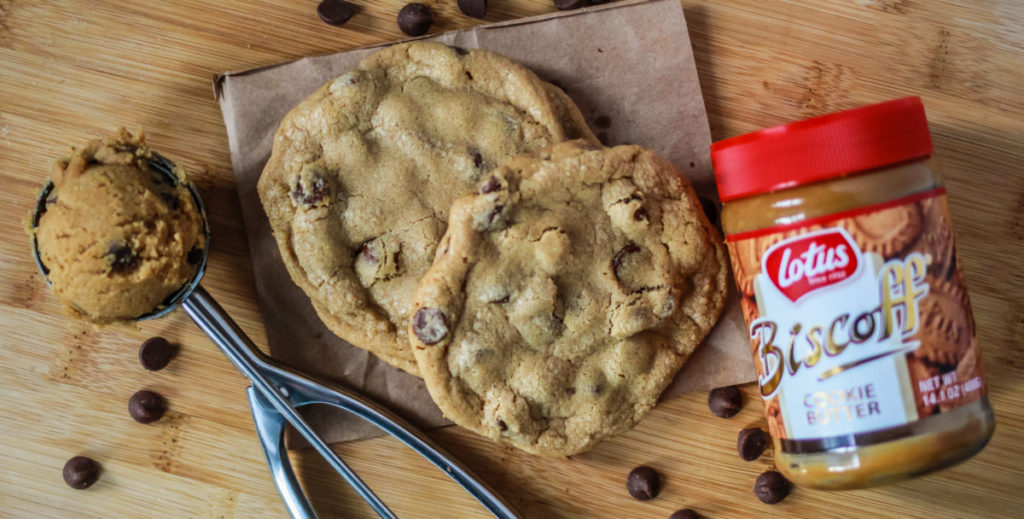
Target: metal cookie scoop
point(277, 390)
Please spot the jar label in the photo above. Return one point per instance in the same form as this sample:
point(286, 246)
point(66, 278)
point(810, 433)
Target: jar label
point(859, 321)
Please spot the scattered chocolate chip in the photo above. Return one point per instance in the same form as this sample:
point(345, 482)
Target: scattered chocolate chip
point(81, 472)
point(430, 325)
point(473, 8)
point(502, 425)
point(414, 19)
point(122, 258)
point(500, 300)
point(194, 256)
point(146, 406)
point(640, 215)
point(687, 513)
point(319, 193)
point(491, 185)
point(751, 443)
point(568, 5)
point(603, 121)
point(710, 209)
point(570, 390)
point(335, 12)
point(643, 483)
point(155, 353)
point(725, 402)
point(771, 487)
point(621, 256)
point(478, 159)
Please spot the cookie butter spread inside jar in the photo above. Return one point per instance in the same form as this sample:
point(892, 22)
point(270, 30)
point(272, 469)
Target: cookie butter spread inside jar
point(858, 316)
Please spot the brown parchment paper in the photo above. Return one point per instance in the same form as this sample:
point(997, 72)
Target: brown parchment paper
point(629, 62)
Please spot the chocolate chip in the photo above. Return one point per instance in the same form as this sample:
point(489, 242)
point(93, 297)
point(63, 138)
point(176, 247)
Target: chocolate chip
point(688, 513)
point(596, 389)
point(491, 185)
point(122, 258)
point(751, 443)
point(146, 406)
point(460, 51)
point(194, 256)
point(725, 402)
point(493, 216)
point(500, 300)
point(603, 121)
point(710, 209)
point(643, 483)
point(568, 5)
point(771, 487)
point(473, 8)
point(570, 390)
point(368, 252)
point(319, 193)
point(621, 256)
point(478, 159)
point(155, 353)
point(640, 215)
point(502, 425)
point(81, 472)
point(171, 200)
point(335, 12)
point(414, 19)
point(430, 325)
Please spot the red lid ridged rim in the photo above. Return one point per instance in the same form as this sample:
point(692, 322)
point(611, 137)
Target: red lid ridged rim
point(822, 147)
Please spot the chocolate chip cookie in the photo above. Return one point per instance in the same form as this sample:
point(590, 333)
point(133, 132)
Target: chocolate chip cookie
point(565, 296)
point(117, 236)
point(362, 174)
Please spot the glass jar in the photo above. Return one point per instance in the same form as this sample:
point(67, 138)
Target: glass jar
point(860, 325)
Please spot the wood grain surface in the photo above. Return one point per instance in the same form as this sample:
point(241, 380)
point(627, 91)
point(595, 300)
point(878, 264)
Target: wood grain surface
point(71, 70)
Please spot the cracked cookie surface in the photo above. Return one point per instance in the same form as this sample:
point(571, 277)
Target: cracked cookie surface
point(363, 172)
point(565, 295)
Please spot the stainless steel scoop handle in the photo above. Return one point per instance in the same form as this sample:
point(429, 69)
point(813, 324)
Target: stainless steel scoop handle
point(270, 430)
point(285, 389)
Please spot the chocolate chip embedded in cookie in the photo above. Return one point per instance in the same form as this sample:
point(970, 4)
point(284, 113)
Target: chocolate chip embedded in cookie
point(363, 172)
point(558, 322)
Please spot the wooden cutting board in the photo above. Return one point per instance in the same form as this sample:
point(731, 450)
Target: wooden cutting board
point(73, 70)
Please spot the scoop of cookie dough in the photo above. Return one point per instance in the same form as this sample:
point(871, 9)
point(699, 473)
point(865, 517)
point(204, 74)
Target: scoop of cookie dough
point(117, 237)
point(362, 174)
point(565, 295)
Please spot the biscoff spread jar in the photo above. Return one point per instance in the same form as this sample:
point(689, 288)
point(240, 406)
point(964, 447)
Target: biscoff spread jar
point(856, 309)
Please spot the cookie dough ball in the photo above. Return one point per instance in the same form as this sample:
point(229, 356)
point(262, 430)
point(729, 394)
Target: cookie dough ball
point(117, 236)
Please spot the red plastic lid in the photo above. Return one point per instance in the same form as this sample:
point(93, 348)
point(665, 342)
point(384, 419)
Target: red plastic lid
point(823, 147)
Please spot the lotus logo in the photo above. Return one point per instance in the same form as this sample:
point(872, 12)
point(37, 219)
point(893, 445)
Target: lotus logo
point(811, 261)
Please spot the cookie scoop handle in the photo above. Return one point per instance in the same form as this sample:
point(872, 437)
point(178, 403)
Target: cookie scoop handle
point(282, 390)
